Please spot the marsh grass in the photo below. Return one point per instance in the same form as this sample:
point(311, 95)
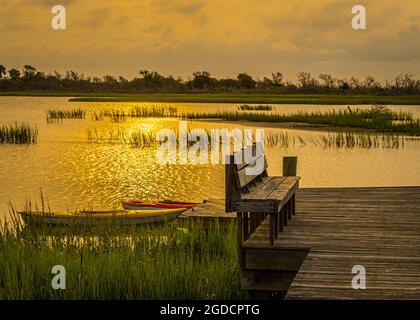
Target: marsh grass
point(109, 136)
point(18, 133)
point(96, 116)
point(138, 111)
point(119, 116)
point(377, 118)
point(110, 261)
point(116, 116)
point(272, 138)
point(255, 108)
point(361, 140)
point(60, 115)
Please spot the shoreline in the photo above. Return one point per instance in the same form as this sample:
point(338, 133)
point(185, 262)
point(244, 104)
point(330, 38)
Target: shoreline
point(235, 98)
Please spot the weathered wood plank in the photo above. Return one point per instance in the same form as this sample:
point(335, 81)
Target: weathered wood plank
point(375, 227)
point(264, 189)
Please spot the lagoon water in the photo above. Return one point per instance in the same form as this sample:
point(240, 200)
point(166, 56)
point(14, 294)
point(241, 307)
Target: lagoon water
point(76, 174)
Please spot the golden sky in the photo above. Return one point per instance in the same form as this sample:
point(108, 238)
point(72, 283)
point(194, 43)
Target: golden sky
point(224, 37)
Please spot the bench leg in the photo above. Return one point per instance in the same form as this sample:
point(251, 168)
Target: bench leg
point(289, 208)
point(281, 219)
point(276, 224)
point(245, 226)
point(286, 213)
point(294, 204)
point(272, 222)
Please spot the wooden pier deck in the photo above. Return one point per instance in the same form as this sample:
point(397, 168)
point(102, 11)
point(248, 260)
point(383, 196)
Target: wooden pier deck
point(378, 228)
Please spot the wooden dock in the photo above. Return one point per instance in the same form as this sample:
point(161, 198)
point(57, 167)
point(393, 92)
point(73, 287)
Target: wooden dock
point(333, 230)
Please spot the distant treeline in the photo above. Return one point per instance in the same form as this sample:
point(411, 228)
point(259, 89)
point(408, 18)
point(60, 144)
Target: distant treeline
point(30, 79)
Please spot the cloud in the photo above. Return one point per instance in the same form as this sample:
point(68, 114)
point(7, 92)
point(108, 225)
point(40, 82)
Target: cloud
point(221, 36)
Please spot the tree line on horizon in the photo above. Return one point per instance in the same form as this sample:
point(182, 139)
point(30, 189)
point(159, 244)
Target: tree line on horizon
point(30, 79)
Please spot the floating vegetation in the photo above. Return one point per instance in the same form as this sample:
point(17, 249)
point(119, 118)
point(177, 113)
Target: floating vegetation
point(60, 115)
point(18, 133)
point(255, 108)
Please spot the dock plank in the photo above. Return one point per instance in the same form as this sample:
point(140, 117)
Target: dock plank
point(378, 228)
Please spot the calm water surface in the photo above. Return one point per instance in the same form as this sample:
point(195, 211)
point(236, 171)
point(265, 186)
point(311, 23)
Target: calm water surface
point(75, 174)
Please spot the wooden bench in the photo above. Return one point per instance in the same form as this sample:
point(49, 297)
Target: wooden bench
point(258, 197)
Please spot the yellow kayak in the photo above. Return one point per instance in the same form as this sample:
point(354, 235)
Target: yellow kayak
point(89, 217)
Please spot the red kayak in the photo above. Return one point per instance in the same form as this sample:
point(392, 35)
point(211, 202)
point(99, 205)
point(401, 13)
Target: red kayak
point(167, 204)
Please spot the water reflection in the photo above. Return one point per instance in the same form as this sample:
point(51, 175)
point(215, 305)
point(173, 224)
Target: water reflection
point(76, 174)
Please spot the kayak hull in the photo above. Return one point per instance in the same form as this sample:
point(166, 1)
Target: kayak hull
point(141, 205)
point(120, 217)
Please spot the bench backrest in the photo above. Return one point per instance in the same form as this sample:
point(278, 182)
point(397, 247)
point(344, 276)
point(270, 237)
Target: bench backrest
point(243, 171)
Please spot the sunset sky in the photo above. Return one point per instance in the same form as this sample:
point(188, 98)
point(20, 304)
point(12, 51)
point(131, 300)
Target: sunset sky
point(224, 37)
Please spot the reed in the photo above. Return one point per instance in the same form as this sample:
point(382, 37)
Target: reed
point(18, 133)
point(255, 108)
point(158, 112)
point(108, 136)
point(60, 115)
point(361, 140)
point(96, 116)
point(272, 138)
point(110, 261)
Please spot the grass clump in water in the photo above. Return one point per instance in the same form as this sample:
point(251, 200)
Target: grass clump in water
point(60, 115)
point(255, 108)
point(18, 133)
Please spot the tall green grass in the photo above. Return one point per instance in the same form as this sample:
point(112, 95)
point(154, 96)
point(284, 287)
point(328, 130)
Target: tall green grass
point(18, 133)
point(110, 261)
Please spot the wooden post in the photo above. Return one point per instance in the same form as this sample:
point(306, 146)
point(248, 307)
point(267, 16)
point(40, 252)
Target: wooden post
point(289, 166)
point(232, 194)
